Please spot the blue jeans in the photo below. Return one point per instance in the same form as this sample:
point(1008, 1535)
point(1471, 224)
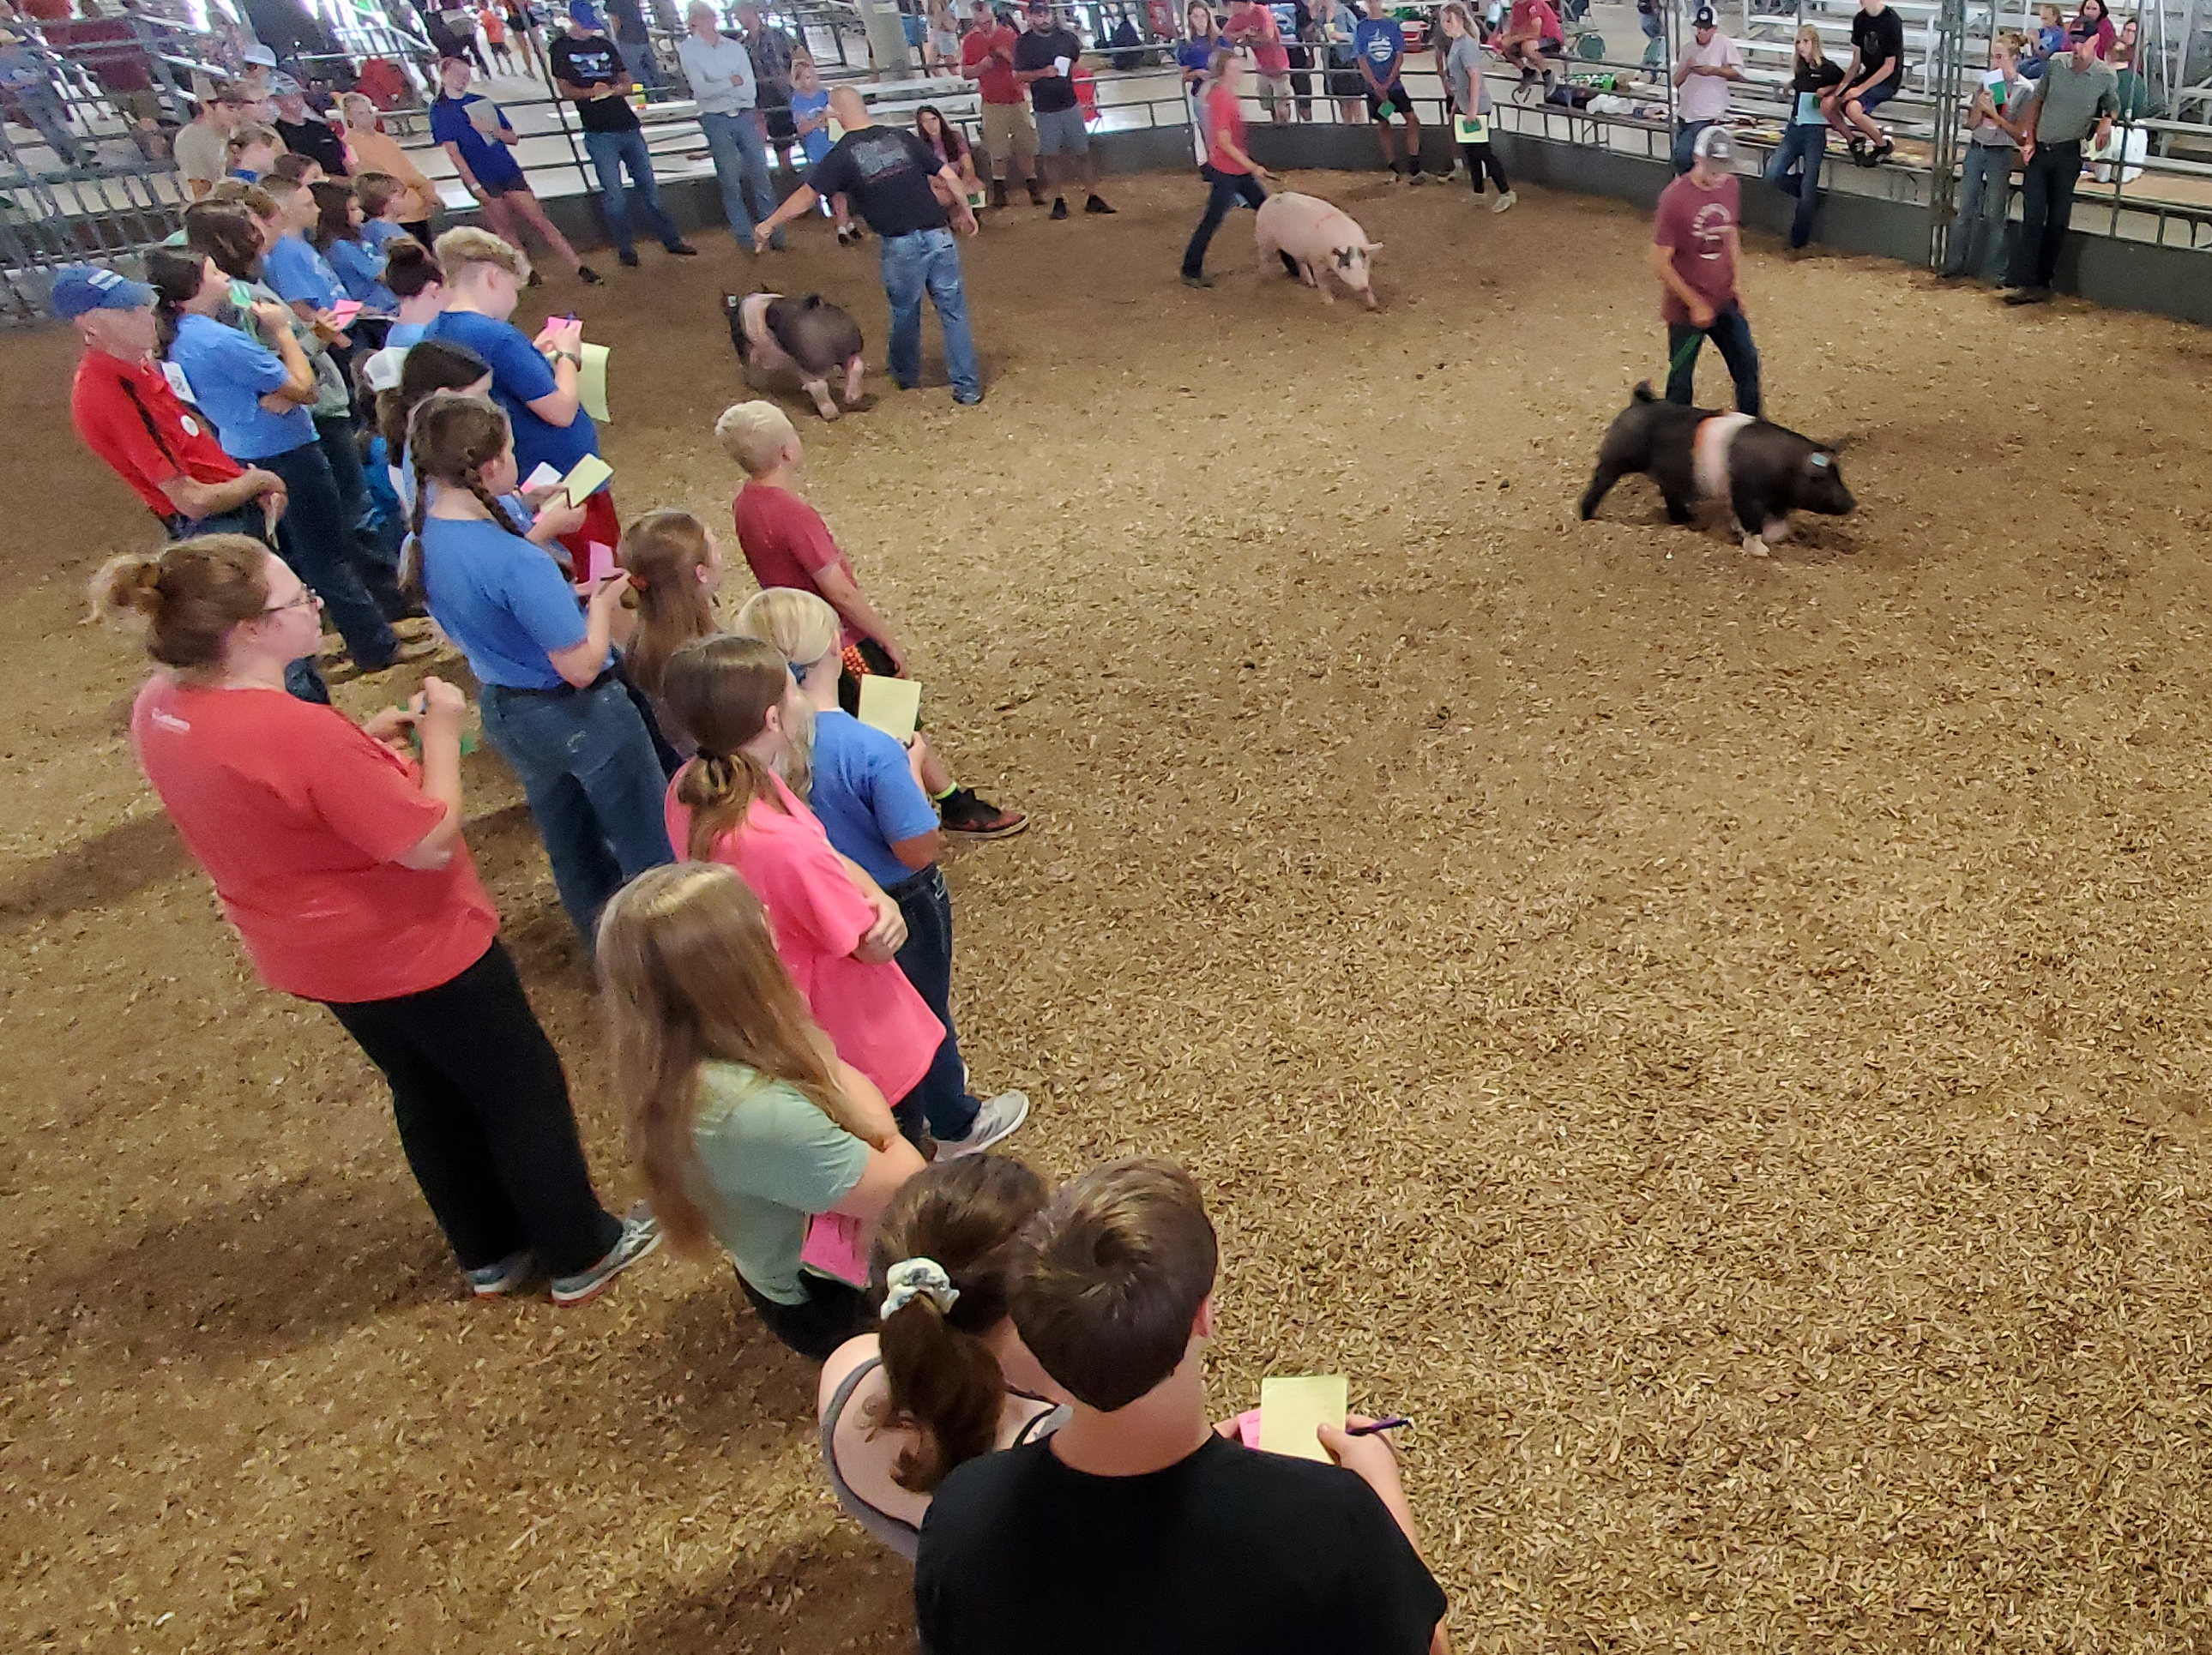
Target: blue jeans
point(1807, 146)
point(740, 156)
point(588, 767)
point(927, 258)
point(1977, 232)
point(926, 959)
point(335, 434)
point(313, 536)
point(1685, 145)
point(1225, 190)
point(303, 678)
point(611, 152)
point(1731, 334)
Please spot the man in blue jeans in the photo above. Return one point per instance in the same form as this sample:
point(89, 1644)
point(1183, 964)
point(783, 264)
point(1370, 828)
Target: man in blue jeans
point(590, 73)
point(720, 71)
point(895, 182)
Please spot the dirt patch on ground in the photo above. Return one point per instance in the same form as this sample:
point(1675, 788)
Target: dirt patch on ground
point(1720, 1044)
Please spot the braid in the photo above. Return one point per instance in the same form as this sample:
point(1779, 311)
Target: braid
point(491, 502)
point(410, 560)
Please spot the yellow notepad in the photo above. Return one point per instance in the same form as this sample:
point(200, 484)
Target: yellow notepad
point(890, 705)
point(1476, 130)
point(1292, 1407)
point(591, 382)
point(580, 484)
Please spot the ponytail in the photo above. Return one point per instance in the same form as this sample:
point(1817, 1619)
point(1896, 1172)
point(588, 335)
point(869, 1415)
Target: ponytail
point(190, 595)
point(719, 690)
point(176, 275)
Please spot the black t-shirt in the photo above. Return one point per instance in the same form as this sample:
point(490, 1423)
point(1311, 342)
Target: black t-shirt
point(594, 61)
point(1817, 78)
point(883, 173)
point(1036, 50)
point(1878, 40)
point(314, 139)
point(1228, 1552)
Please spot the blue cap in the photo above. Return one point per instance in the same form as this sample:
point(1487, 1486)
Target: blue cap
point(81, 287)
point(581, 11)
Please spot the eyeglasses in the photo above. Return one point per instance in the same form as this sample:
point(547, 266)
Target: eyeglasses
point(308, 598)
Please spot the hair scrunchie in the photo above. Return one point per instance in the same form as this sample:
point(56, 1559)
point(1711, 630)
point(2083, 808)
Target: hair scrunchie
point(918, 1278)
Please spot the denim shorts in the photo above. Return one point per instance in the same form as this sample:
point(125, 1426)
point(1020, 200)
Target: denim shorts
point(1874, 96)
point(1061, 132)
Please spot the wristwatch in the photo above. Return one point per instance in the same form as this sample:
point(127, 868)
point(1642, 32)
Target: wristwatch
point(568, 356)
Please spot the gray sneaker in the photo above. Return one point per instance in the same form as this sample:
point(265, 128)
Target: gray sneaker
point(640, 1234)
point(998, 1118)
point(490, 1281)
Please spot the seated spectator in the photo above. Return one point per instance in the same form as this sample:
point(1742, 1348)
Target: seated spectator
point(341, 865)
point(337, 238)
point(1061, 1545)
point(835, 929)
point(787, 543)
point(746, 1124)
point(2094, 21)
point(944, 1378)
point(1534, 42)
point(865, 789)
point(306, 133)
point(1876, 76)
point(253, 150)
point(950, 147)
point(2050, 41)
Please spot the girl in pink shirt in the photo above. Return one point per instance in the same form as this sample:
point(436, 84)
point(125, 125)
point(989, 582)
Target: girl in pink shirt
point(835, 929)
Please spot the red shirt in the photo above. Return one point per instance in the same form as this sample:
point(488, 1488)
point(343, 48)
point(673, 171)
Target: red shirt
point(786, 542)
point(298, 817)
point(994, 76)
point(1534, 14)
point(874, 1018)
point(1695, 224)
point(1258, 28)
point(126, 413)
point(1224, 119)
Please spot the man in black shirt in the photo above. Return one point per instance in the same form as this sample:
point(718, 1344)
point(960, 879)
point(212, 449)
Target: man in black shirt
point(1876, 76)
point(590, 73)
point(304, 134)
point(1043, 58)
point(1136, 1528)
point(885, 175)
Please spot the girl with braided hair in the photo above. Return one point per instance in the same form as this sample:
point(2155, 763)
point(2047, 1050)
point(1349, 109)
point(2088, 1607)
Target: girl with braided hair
point(835, 930)
point(554, 705)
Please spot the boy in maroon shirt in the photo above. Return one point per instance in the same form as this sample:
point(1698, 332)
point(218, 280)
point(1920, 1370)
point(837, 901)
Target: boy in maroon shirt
point(1694, 247)
point(787, 543)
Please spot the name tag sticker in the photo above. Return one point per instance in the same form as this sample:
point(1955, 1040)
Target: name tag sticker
point(178, 384)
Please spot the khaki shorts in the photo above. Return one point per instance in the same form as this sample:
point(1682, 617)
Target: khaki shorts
point(1007, 128)
point(1275, 91)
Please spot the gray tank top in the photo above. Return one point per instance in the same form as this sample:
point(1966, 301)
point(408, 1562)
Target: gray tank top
point(896, 1532)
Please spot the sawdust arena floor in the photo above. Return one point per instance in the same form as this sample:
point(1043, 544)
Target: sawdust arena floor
point(1720, 1044)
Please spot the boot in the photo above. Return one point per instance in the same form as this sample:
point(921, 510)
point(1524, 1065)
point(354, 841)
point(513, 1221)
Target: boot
point(998, 192)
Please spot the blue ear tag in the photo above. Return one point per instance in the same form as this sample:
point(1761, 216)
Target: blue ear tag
point(1820, 459)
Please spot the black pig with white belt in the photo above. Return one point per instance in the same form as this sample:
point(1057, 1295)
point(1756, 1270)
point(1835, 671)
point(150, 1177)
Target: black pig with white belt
point(1763, 471)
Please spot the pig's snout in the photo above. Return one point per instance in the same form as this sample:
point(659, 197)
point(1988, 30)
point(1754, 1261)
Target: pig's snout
point(1824, 491)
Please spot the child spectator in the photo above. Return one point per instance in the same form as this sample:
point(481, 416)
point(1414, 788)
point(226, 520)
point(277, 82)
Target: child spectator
point(952, 149)
point(533, 380)
point(787, 543)
point(1380, 45)
point(745, 1121)
point(944, 1378)
point(360, 268)
point(1805, 140)
point(418, 289)
point(253, 150)
point(1253, 25)
point(810, 113)
point(1532, 40)
point(865, 789)
point(675, 570)
point(1194, 59)
point(1231, 173)
point(292, 168)
point(479, 142)
point(303, 278)
point(1876, 76)
point(835, 929)
point(553, 705)
point(493, 25)
point(341, 865)
point(1997, 123)
point(383, 201)
point(1136, 1526)
point(2050, 41)
point(1470, 103)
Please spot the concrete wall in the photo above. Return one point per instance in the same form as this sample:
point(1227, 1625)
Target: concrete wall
point(2125, 275)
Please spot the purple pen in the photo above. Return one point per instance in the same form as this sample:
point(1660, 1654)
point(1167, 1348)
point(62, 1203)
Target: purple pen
point(1390, 1424)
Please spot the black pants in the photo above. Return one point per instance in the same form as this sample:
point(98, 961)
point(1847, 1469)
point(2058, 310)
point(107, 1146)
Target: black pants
point(1732, 334)
point(1480, 158)
point(2046, 207)
point(834, 1312)
point(483, 1116)
point(1226, 190)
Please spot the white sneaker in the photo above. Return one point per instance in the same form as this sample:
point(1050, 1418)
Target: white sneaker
point(1503, 203)
point(998, 1118)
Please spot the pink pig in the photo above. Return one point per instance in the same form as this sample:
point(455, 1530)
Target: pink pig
point(1315, 240)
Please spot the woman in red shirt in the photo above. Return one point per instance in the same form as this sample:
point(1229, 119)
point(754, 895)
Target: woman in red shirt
point(341, 865)
point(1230, 170)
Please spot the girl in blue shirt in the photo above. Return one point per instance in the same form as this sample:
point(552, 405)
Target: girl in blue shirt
point(360, 267)
point(554, 705)
point(258, 396)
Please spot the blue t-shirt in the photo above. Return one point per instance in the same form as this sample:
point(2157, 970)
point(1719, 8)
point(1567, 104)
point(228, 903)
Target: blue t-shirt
point(404, 334)
point(380, 234)
point(504, 601)
point(489, 160)
point(519, 377)
point(816, 143)
point(1382, 44)
point(229, 373)
point(359, 267)
point(865, 796)
point(1193, 54)
point(300, 274)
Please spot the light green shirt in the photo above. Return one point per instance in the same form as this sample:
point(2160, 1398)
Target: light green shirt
point(2072, 99)
point(770, 1159)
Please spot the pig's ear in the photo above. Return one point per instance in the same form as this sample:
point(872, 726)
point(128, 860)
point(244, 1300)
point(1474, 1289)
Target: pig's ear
point(1373, 248)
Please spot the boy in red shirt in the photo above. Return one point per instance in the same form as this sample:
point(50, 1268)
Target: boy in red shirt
point(787, 543)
